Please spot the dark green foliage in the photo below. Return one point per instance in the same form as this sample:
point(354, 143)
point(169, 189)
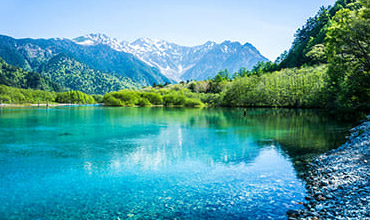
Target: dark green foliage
point(349, 57)
point(98, 98)
point(17, 77)
point(313, 33)
point(74, 97)
point(74, 75)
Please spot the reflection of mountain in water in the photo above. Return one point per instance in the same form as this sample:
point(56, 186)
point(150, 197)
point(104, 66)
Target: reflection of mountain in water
point(157, 160)
point(175, 144)
point(224, 136)
point(158, 137)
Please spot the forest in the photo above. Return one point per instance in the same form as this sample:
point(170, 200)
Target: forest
point(326, 67)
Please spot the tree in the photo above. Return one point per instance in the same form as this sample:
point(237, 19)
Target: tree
point(317, 54)
point(349, 58)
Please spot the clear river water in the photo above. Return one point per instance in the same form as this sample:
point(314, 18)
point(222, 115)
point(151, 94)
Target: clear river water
point(92, 162)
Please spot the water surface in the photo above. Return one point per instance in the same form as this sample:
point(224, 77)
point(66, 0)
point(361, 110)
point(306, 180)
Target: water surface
point(157, 163)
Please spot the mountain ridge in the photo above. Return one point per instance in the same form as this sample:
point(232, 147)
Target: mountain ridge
point(31, 54)
point(175, 61)
point(141, 62)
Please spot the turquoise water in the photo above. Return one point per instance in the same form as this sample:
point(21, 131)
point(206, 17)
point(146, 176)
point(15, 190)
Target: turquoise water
point(156, 163)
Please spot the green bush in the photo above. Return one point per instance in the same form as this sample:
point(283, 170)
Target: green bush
point(153, 98)
point(111, 100)
point(127, 97)
point(144, 102)
point(74, 97)
point(192, 102)
point(98, 98)
point(174, 99)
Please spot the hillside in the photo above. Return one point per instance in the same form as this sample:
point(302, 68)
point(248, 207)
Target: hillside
point(74, 75)
point(19, 78)
point(34, 54)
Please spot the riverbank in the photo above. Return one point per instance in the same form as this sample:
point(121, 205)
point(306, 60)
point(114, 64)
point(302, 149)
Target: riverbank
point(338, 181)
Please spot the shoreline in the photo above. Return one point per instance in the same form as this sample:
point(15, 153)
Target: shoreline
point(338, 181)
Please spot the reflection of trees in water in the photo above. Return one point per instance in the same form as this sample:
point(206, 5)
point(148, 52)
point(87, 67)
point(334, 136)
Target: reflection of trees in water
point(166, 135)
point(300, 133)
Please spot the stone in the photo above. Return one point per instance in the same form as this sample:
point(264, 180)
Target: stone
point(292, 213)
point(338, 180)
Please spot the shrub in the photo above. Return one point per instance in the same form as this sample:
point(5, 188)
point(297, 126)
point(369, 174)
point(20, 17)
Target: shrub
point(112, 101)
point(192, 102)
point(153, 98)
point(126, 97)
point(144, 102)
point(98, 98)
point(75, 97)
point(174, 99)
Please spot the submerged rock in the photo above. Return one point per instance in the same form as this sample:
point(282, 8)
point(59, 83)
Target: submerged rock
point(292, 213)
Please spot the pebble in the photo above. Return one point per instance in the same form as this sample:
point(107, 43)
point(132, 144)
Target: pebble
point(338, 181)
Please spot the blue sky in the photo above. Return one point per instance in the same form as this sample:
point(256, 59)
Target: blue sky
point(267, 24)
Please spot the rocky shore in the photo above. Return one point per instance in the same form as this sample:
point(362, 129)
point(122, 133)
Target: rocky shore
point(338, 181)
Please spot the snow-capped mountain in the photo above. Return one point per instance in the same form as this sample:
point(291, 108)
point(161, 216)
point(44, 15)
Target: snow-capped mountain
point(95, 39)
point(182, 62)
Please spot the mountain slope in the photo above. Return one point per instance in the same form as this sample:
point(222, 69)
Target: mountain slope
point(31, 54)
point(74, 75)
point(19, 78)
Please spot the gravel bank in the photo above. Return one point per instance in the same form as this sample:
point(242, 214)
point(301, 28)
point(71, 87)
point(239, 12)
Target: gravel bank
point(338, 181)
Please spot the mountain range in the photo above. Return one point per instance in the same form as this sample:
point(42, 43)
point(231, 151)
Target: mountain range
point(181, 62)
point(96, 63)
point(38, 54)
